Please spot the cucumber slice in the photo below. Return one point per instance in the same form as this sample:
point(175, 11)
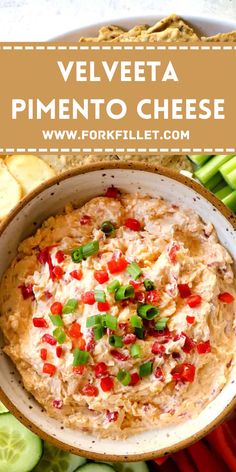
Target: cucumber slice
point(56, 460)
point(95, 467)
point(20, 450)
point(130, 466)
point(3, 409)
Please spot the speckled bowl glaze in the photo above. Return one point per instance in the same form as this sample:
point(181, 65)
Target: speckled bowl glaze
point(78, 187)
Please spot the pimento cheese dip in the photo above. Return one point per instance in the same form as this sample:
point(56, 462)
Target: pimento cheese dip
point(119, 315)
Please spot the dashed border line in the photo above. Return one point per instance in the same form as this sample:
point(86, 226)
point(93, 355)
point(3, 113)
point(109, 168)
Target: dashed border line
point(155, 150)
point(82, 47)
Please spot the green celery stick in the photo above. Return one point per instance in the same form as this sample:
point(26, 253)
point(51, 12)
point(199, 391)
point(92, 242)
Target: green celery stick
point(224, 192)
point(219, 186)
point(199, 159)
point(230, 201)
point(226, 168)
point(213, 181)
point(206, 172)
point(231, 179)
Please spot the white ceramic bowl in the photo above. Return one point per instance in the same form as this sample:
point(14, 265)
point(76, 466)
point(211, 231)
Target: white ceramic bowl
point(77, 187)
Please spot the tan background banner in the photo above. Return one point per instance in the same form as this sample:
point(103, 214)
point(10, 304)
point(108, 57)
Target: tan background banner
point(117, 98)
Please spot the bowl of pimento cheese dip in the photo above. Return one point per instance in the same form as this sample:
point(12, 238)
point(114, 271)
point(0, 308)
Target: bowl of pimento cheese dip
point(117, 311)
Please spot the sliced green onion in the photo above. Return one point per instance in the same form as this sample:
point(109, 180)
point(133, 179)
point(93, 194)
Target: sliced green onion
point(124, 377)
point(113, 286)
point(136, 321)
point(80, 357)
point(223, 192)
point(110, 321)
point(135, 351)
point(214, 181)
point(98, 332)
point(107, 228)
point(93, 321)
point(77, 255)
point(60, 335)
point(139, 333)
point(145, 369)
point(206, 172)
point(99, 296)
point(124, 292)
point(115, 341)
point(56, 320)
point(148, 284)
point(199, 159)
point(161, 324)
point(230, 201)
point(134, 270)
point(70, 306)
point(148, 312)
point(83, 252)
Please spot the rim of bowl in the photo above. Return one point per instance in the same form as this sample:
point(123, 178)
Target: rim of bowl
point(139, 166)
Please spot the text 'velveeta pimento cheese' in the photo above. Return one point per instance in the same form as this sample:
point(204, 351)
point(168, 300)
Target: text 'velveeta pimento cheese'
point(119, 315)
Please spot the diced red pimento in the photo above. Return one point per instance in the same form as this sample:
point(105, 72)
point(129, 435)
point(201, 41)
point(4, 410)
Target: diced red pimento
point(79, 369)
point(190, 319)
point(159, 374)
point(56, 308)
point(117, 265)
point(58, 272)
point(103, 306)
point(100, 369)
point(194, 300)
point(134, 379)
point(119, 355)
point(184, 290)
point(43, 354)
point(57, 404)
point(101, 276)
point(189, 344)
point(203, 347)
point(158, 348)
point(129, 338)
point(112, 416)
point(90, 390)
point(136, 285)
point(85, 219)
point(90, 343)
point(59, 351)
point(76, 274)
point(112, 192)
point(49, 369)
point(153, 297)
point(184, 372)
point(47, 338)
point(140, 297)
point(40, 323)
point(44, 257)
point(88, 298)
point(74, 330)
point(60, 256)
point(48, 294)
point(107, 384)
point(133, 224)
point(226, 297)
point(27, 291)
point(173, 252)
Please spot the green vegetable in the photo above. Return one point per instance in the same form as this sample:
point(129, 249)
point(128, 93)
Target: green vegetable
point(206, 172)
point(98, 467)
point(230, 201)
point(135, 350)
point(124, 377)
point(83, 252)
point(199, 159)
point(110, 321)
point(93, 321)
point(127, 467)
point(115, 341)
point(228, 167)
point(77, 255)
point(214, 181)
point(231, 179)
point(80, 357)
point(148, 312)
point(107, 228)
point(20, 449)
point(124, 292)
point(136, 321)
point(148, 284)
point(56, 320)
point(224, 192)
point(56, 460)
point(70, 306)
point(161, 324)
point(3, 409)
point(113, 286)
point(219, 186)
point(134, 270)
point(98, 332)
point(139, 333)
point(60, 335)
point(145, 369)
point(99, 296)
